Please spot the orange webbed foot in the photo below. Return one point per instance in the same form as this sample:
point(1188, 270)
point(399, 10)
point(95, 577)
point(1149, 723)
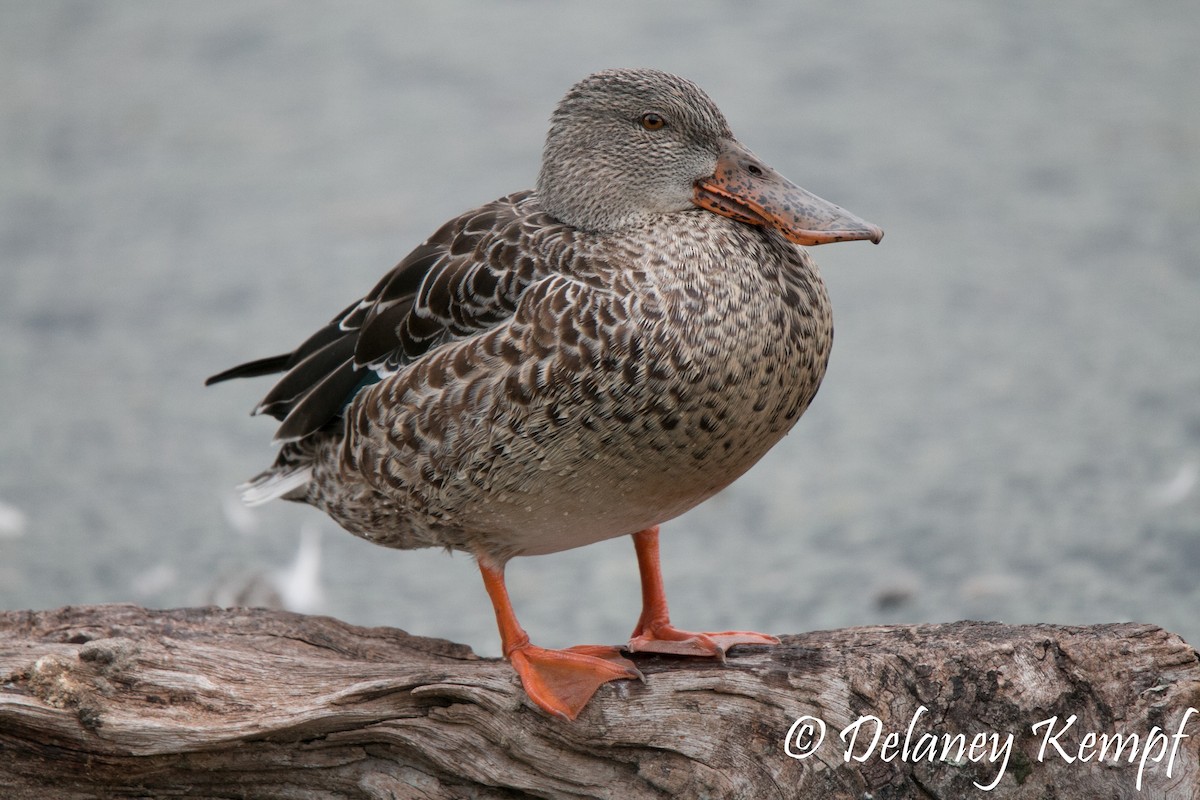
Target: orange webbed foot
point(559, 681)
point(562, 681)
point(666, 638)
point(655, 633)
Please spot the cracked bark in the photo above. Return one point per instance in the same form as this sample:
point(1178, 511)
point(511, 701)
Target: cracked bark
point(121, 701)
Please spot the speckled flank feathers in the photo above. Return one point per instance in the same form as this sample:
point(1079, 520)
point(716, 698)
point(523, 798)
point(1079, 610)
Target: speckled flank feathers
point(607, 401)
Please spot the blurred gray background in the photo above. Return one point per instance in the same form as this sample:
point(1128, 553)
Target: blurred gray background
point(1009, 429)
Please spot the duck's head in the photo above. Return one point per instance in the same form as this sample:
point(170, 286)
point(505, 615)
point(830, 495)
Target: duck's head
point(628, 144)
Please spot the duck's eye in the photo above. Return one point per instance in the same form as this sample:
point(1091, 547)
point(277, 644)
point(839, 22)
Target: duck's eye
point(652, 122)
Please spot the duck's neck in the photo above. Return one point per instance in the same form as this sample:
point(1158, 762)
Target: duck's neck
point(591, 190)
point(585, 202)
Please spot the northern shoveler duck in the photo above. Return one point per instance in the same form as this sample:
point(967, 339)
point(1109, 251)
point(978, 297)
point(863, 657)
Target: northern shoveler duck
point(569, 364)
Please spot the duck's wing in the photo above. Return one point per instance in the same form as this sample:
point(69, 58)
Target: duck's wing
point(463, 280)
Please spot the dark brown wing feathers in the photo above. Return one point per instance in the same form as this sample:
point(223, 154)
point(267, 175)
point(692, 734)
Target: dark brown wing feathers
point(465, 278)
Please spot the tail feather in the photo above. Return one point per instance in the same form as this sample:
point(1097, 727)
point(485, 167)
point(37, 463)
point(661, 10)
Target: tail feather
point(252, 369)
point(273, 484)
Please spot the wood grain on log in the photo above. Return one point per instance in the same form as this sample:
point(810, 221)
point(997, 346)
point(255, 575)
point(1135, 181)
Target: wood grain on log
point(121, 701)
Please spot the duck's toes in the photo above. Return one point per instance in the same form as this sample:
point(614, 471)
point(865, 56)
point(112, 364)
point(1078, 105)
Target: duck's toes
point(727, 639)
point(672, 641)
point(676, 643)
point(562, 681)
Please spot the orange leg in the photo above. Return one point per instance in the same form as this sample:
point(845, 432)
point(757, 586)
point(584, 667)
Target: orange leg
point(559, 681)
point(655, 633)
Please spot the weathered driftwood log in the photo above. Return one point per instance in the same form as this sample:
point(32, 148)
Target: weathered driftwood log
point(121, 701)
